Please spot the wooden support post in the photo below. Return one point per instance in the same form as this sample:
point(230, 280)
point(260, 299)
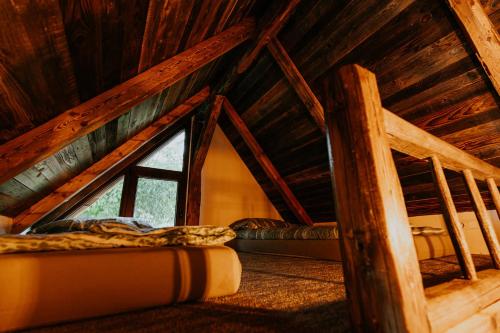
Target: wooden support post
point(298, 82)
point(194, 183)
point(41, 142)
point(452, 222)
point(495, 195)
point(483, 218)
point(382, 275)
point(266, 164)
point(481, 32)
point(76, 184)
point(265, 36)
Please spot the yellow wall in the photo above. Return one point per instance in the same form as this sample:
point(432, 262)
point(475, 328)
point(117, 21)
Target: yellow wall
point(471, 228)
point(228, 190)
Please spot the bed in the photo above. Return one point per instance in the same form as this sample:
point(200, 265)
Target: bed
point(45, 287)
point(321, 242)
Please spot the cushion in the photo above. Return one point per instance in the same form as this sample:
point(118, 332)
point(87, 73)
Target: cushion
point(123, 225)
point(258, 223)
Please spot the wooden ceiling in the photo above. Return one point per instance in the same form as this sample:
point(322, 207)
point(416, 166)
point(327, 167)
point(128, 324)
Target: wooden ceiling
point(55, 55)
point(427, 74)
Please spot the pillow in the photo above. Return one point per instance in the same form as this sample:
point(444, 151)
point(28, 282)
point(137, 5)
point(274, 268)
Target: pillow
point(120, 225)
point(258, 223)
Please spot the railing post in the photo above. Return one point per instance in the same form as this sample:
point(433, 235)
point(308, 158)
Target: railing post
point(452, 221)
point(382, 276)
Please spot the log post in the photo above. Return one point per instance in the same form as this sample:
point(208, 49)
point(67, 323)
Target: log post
point(382, 276)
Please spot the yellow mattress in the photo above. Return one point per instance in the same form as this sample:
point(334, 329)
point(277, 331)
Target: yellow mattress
point(44, 288)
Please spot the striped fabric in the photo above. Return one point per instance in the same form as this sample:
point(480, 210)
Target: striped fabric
point(291, 232)
point(254, 223)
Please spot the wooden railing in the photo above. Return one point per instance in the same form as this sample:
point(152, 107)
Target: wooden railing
point(383, 279)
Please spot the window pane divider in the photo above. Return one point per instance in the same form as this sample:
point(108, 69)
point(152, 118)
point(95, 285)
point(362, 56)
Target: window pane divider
point(154, 173)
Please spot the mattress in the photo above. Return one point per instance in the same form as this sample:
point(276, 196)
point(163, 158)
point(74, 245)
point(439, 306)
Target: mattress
point(49, 287)
point(427, 246)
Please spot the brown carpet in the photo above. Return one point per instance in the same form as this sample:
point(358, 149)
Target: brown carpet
point(277, 294)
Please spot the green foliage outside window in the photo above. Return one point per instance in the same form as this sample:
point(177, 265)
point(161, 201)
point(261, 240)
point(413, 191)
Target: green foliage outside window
point(156, 202)
point(108, 205)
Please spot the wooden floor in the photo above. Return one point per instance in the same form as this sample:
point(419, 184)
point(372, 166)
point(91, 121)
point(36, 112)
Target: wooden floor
point(277, 294)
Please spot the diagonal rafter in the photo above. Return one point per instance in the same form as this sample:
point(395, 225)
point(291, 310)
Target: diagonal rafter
point(298, 82)
point(265, 36)
point(266, 164)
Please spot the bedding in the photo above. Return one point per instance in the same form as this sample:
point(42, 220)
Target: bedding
point(322, 242)
point(291, 232)
point(109, 225)
point(50, 287)
point(101, 236)
point(258, 223)
point(287, 231)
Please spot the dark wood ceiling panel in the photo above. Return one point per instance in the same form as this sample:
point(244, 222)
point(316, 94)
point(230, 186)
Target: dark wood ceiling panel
point(165, 26)
point(36, 75)
point(37, 83)
point(105, 38)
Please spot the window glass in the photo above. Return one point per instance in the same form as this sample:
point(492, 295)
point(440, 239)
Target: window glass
point(107, 204)
point(156, 201)
point(169, 156)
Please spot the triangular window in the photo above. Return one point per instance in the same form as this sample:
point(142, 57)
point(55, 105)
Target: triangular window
point(152, 189)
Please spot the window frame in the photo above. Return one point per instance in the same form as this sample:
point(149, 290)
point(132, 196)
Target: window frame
point(133, 172)
point(181, 177)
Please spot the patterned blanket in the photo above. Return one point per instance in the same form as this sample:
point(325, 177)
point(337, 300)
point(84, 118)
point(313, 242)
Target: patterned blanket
point(103, 237)
point(290, 232)
point(312, 233)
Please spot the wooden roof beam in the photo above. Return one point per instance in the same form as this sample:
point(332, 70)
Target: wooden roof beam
point(482, 34)
point(194, 183)
point(265, 36)
point(91, 174)
point(298, 82)
point(34, 146)
point(266, 164)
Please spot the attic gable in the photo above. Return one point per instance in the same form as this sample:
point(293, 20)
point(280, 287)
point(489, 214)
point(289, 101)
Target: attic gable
point(426, 66)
